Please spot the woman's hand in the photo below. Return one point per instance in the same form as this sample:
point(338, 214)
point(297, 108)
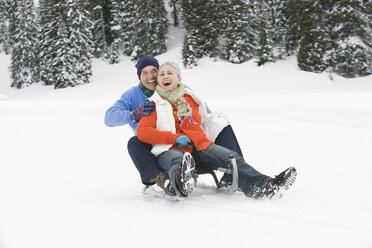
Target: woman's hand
point(182, 141)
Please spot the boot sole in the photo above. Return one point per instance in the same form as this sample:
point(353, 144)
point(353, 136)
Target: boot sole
point(289, 178)
point(187, 172)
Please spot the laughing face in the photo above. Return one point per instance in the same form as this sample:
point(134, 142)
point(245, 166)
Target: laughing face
point(168, 78)
point(148, 77)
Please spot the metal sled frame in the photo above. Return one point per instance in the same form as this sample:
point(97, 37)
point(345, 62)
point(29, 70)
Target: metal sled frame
point(232, 170)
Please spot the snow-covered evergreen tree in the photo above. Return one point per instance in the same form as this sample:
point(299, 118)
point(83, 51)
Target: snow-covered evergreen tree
point(202, 26)
point(65, 75)
point(271, 25)
point(24, 58)
point(112, 53)
point(127, 25)
point(265, 33)
point(294, 11)
point(50, 11)
point(107, 16)
point(100, 16)
point(66, 43)
point(314, 43)
point(2, 24)
point(80, 39)
point(289, 21)
point(151, 28)
point(190, 54)
point(176, 9)
point(98, 27)
point(190, 49)
point(351, 55)
point(7, 27)
point(280, 27)
point(238, 34)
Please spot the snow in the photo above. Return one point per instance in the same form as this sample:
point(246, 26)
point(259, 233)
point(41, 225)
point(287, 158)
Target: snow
point(3, 97)
point(66, 180)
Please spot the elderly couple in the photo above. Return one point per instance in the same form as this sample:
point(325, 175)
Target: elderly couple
point(173, 125)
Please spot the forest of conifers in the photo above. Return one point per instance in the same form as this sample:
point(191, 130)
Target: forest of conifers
point(53, 42)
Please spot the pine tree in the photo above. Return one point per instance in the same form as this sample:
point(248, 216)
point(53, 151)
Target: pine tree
point(48, 12)
point(127, 25)
point(24, 62)
point(238, 35)
point(351, 55)
point(292, 12)
point(112, 53)
point(107, 16)
point(211, 28)
point(66, 43)
point(10, 9)
point(151, 28)
point(280, 27)
point(63, 63)
point(2, 24)
point(265, 34)
point(100, 16)
point(314, 43)
point(80, 39)
point(98, 27)
point(190, 53)
point(176, 8)
point(202, 30)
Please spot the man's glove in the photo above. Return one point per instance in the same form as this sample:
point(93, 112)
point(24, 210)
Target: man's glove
point(144, 109)
point(182, 141)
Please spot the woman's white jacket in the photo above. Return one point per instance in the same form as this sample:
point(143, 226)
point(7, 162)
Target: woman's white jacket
point(212, 124)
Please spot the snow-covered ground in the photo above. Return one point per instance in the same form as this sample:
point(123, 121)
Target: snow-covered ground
point(66, 180)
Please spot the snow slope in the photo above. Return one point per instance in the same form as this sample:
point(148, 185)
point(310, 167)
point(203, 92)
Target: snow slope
point(66, 180)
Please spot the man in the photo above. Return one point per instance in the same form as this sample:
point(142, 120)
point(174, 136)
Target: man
point(130, 108)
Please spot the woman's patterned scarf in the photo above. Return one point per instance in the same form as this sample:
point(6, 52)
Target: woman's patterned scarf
point(176, 98)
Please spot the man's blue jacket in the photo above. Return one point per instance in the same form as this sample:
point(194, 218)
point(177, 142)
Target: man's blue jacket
point(119, 113)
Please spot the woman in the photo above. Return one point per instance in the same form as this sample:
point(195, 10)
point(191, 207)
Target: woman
point(180, 119)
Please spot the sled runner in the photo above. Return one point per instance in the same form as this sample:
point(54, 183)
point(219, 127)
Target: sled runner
point(231, 170)
point(190, 177)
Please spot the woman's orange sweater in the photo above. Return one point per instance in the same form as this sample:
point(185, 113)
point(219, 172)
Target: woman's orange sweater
point(147, 132)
